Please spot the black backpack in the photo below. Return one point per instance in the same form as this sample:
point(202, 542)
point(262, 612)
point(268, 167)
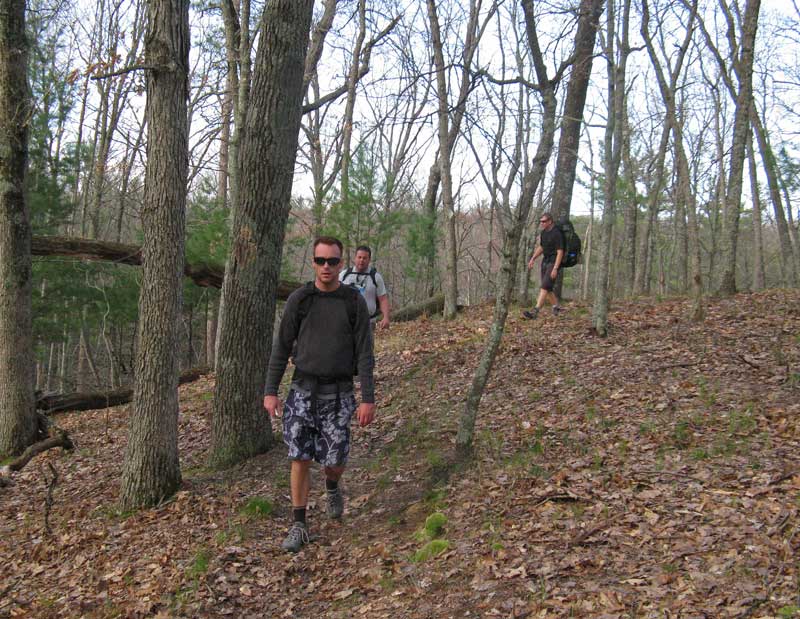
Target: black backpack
point(372, 271)
point(349, 297)
point(346, 293)
point(572, 244)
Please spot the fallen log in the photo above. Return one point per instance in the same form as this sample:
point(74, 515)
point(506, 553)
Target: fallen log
point(201, 273)
point(62, 402)
point(434, 305)
point(56, 437)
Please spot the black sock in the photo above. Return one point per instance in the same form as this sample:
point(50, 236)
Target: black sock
point(331, 485)
point(299, 514)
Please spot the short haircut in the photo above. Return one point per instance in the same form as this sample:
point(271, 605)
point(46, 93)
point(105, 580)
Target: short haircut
point(364, 248)
point(329, 240)
point(547, 215)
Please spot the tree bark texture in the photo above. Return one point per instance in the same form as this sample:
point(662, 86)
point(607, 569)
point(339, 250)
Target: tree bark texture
point(741, 131)
point(612, 155)
point(569, 139)
point(151, 470)
point(759, 278)
point(446, 145)
point(240, 427)
point(574, 103)
point(17, 413)
point(788, 259)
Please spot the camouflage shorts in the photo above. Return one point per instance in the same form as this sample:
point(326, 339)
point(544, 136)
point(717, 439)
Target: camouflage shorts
point(323, 437)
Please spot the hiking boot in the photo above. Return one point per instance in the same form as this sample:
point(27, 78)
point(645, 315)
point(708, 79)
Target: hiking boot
point(335, 503)
point(557, 309)
point(531, 315)
point(297, 537)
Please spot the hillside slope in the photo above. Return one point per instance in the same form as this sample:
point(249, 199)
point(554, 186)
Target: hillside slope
point(653, 473)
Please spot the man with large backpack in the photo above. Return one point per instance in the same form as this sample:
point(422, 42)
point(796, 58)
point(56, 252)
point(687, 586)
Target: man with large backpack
point(551, 246)
point(326, 329)
point(370, 284)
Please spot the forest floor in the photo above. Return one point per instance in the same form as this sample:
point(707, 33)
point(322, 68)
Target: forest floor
point(653, 473)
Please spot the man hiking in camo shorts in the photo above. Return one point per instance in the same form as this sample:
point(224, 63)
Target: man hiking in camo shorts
point(328, 325)
point(551, 246)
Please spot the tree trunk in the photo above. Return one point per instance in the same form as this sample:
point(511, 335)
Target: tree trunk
point(445, 169)
point(645, 260)
point(612, 155)
point(429, 209)
point(151, 470)
point(530, 182)
point(240, 427)
point(17, 414)
point(589, 14)
point(741, 130)
point(689, 237)
point(759, 271)
point(630, 215)
point(788, 261)
point(351, 236)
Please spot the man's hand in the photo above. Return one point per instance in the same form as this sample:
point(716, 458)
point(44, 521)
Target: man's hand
point(530, 263)
point(273, 405)
point(384, 323)
point(365, 414)
point(554, 272)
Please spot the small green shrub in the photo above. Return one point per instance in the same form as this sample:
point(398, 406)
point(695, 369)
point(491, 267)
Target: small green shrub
point(258, 507)
point(432, 549)
point(199, 564)
point(434, 527)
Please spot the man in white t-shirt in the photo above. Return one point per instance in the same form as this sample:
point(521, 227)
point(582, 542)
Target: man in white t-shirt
point(370, 284)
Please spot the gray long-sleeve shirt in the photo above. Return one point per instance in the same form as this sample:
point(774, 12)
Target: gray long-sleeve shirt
point(327, 345)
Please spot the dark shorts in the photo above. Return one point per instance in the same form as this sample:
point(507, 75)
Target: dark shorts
point(547, 281)
point(323, 436)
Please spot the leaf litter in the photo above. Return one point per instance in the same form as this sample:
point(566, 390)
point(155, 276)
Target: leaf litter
point(652, 473)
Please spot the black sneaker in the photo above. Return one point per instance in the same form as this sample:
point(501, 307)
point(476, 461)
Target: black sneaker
point(530, 315)
point(297, 537)
point(335, 503)
point(557, 309)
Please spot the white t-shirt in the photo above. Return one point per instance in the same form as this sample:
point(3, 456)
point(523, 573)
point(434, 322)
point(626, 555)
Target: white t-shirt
point(363, 283)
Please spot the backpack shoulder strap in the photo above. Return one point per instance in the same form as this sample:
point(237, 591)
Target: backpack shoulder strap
point(348, 272)
point(351, 301)
point(372, 273)
point(304, 302)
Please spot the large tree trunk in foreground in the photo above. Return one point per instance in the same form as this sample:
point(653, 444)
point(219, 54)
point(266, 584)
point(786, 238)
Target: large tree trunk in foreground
point(151, 470)
point(17, 414)
point(240, 427)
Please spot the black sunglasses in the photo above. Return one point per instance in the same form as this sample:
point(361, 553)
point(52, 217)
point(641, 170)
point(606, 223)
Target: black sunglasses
point(319, 260)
